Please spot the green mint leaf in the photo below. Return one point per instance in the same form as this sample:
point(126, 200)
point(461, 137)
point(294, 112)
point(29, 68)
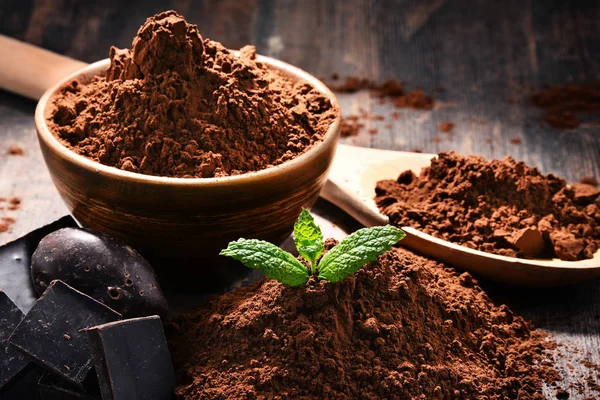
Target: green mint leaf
point(274, 262)
point(309, 238)
point(356, 250)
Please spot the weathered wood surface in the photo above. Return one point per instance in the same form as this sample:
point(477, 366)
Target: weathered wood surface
point(487, 55)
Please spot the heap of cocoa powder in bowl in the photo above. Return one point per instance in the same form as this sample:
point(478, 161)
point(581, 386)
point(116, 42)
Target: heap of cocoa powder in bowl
point(179, 105)
point(500, 206)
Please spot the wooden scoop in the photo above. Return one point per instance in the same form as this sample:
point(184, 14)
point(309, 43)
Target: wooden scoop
point(351, 186)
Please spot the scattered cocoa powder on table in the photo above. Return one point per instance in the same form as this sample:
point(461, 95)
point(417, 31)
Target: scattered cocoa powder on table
point(183, 106)
point(392, 90)
point(499, 206)
point(11, 204)
point(447, 126)
point(15, 151)
point(564, 103)
point(401, 327)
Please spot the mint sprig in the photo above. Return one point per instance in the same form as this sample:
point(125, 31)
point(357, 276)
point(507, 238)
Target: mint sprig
point(356, 250)
point(309, 239)
point(274, 262)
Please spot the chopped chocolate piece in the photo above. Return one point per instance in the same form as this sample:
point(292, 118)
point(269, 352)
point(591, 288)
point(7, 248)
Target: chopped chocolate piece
point(100, 266)
point(529, 241)
point(11, 360)
point(61, 310)
point(132, 359)
point(53, 388)
point(15, 259)
point(24, 386)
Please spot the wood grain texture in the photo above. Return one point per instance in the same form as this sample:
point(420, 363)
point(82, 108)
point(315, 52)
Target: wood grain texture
point(487, 55)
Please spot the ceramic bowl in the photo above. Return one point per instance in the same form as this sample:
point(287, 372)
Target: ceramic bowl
point(184, 216)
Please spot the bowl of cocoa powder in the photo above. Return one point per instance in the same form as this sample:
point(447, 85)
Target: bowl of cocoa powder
point(181, 145)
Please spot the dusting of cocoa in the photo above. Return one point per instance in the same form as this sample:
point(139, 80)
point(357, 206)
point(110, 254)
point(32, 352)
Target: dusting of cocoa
point(391, 90)
point(15, 151)
point(402, 327)
point(351, 126)
point(5, 221)
point(446, 126)
point(500, 206)
point(14, 203)
point(563, 104)
point(183, 106)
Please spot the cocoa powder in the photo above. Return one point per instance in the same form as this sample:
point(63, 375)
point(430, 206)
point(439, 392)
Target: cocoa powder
point(183, 106)
point(15, 151)
point(11, 204)
point(402, 327)
point(447, 126)
point(392, 89)
point(564, 104)
point(499, 206)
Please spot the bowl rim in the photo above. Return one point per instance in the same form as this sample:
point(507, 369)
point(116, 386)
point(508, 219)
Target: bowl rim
point(45, 135)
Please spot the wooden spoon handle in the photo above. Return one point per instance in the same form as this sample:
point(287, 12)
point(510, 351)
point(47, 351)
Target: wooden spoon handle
point(29, 70)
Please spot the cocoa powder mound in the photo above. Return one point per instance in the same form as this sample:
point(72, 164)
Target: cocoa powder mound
point(402, 327)
point(499, 206)
point(183, 106)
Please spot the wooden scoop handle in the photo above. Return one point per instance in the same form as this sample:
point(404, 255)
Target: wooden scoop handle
point(29, 70)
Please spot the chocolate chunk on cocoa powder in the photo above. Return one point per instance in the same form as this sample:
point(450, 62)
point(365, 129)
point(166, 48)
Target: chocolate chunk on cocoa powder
point(529, 241)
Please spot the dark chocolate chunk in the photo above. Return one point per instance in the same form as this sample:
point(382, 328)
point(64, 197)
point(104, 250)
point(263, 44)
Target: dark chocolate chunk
point(53, 388)
point(52, 333)
point(24, 386)
point(12, 361)
point(100, 266)
point(132, 359)
point(15, 262)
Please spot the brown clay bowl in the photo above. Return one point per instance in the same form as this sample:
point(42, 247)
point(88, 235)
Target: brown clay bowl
point(184, 217)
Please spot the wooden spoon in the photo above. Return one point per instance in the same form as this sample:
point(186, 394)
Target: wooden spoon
point(351, 186)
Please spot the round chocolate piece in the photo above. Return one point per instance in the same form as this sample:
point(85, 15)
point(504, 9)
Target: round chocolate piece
point(101, 267)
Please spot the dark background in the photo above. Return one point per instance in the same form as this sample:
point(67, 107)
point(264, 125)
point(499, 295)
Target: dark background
point(488, 56)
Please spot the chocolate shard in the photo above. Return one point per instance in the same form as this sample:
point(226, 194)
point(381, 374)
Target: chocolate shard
point(15, 260)
point(12, 361)
point(52, 333)
point(132, 359)
point(24, 386)
point(529, 241)
point(53, 388)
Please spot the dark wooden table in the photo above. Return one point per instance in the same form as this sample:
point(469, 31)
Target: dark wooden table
point(488, 56)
